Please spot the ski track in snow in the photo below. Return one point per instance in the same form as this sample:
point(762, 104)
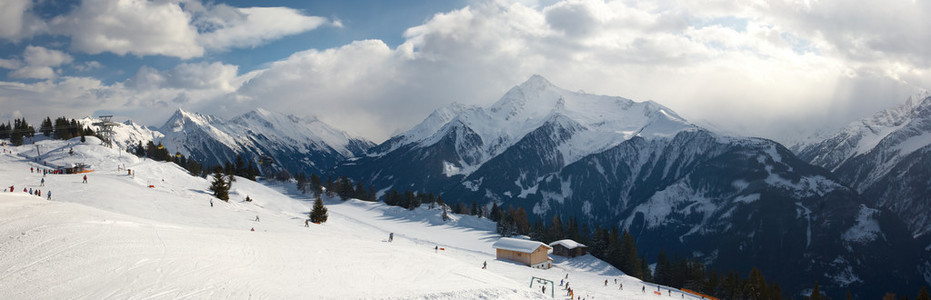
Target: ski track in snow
point(116, 238)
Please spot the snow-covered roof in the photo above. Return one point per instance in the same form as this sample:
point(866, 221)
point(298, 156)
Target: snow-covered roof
point(524, 246)
point(569, 244)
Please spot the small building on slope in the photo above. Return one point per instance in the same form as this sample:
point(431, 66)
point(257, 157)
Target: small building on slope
point(568, 248)
point(531, 253)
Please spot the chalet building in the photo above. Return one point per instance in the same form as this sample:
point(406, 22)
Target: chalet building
point(531, 253)
point(568, 248)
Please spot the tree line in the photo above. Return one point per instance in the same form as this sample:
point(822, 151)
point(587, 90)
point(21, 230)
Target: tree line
point(61, 129)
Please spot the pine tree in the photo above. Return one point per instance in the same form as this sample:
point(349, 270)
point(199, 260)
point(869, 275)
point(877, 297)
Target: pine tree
point(495, 213)
point(816, 293)
point(46, 127)
point(220, 187)
point(319, 212)
point(923, 294)
point(445, 215)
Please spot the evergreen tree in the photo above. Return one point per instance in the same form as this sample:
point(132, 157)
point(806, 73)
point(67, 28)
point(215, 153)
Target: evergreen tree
point(495, 213)
point(922, 294)
point(662, 273)
point(445, 215)
point(220, 187)
point(816, 293)
point(537, 232)
point(319, 213)
point(46, 127)
point(474, 210)
point(315, 184)
point(630, 262)
point(645, 269)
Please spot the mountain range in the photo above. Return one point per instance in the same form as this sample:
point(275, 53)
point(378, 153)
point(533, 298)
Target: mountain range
point(848, 211)
point(733, 202)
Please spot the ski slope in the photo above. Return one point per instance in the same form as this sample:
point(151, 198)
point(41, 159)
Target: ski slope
point(116, 237)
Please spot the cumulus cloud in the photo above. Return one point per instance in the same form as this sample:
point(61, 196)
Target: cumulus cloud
point(39, 63)
point(228, 27)
point(758, 68)
point(184, 29)
point(136, 27)
point(17, 21)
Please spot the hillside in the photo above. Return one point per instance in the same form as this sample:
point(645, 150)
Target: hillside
point(116, 237)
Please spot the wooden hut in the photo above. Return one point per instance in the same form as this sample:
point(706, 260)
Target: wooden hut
point(568, 248)
point(531, 253)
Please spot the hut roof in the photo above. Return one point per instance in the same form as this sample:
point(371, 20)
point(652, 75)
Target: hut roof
point(524, 246)
point(569, 244)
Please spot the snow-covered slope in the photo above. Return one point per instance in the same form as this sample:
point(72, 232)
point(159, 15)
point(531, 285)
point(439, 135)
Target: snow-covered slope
point(126, 134)
point(155, 235)
point(610, 161)
point(272, 140)
point(885, 157)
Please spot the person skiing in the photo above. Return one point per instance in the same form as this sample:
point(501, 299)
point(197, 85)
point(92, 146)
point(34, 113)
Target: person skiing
point(253, 229)
point(42, 183)
point(11, 189)
point(30, 191)
point(85, 178)
point(211, 202)
point(307, 223)
point(560, 282)
point(544, 289)
point(606, 282)
point(643, 289)
point(257, 218)
point(621, 287)
point(30, 170)
point(49, 194)
point(390, 236)
point(485, 265)
point(436, 249)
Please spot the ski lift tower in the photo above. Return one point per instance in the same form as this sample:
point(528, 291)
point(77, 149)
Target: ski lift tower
point(105, 131)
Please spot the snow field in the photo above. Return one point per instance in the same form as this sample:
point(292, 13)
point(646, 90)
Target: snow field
point(115, 237)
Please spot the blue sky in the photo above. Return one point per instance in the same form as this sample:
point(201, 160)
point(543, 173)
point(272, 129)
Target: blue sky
point(374, 68)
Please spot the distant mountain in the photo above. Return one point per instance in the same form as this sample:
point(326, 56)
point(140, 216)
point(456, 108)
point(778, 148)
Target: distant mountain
point(887, 158)
point(731, 201)
point(274, 141)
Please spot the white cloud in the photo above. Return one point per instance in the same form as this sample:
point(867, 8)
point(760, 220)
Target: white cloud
point(254, 26)
point(17, 21)
point(41, 56)
point(39, 63)
point(10, 63)
point(136, 27)
point(763, 67)
point(177, 28)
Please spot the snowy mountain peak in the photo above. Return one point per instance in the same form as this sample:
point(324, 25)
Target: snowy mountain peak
point(181, 118)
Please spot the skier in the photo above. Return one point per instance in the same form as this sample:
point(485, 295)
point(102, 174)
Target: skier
point(211, 202)
point(253, 229)
point(30, 191)
point(606, 282)
point(390, 236)
point(307, 223)
point(85, 178)
point(257, 218)
point(643, 289)
point(39, 192)
point(11, 189)
point(544, 289)
point(42, 183)
point(49, 195)
point(30, 170)
point(436, 249)
point(621, 287)
point(484, 265)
